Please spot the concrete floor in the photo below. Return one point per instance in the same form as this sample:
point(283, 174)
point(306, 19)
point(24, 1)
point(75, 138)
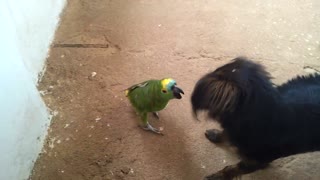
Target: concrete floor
point(94, 133)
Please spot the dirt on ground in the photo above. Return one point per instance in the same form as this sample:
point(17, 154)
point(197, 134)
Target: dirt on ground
point(104, 46)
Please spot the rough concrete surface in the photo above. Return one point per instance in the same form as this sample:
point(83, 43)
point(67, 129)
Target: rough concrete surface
point(94, 133)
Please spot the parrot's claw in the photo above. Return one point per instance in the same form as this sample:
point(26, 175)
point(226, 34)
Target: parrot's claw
point(148, 127)
point(156, 114)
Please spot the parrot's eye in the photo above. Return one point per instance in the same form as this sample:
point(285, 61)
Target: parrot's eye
point(164, 91)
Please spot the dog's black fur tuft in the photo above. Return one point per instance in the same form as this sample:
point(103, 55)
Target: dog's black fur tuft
point(264, 122)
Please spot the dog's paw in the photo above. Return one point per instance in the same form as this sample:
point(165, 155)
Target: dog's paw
point(214, 135)
point(217, 176)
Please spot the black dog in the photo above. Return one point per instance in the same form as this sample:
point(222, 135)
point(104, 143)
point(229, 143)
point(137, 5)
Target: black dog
point(262, 121)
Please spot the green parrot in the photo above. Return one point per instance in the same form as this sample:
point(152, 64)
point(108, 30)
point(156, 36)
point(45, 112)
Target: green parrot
point(152, 96)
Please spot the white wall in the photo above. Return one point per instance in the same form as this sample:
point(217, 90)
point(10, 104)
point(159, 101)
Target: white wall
point(26, 30)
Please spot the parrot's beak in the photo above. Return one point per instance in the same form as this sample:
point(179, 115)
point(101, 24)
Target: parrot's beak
point(177, 92)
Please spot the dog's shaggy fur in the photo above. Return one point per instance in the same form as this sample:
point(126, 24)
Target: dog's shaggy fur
point(262, 121)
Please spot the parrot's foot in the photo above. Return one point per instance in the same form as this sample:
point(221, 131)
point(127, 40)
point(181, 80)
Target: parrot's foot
point(156, 114)
point(148, 127)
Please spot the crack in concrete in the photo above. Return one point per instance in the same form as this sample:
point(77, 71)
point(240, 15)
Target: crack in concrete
point(315, 70)
point(81, 45)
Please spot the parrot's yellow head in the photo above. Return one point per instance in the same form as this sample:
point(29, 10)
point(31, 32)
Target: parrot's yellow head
point(170, 86)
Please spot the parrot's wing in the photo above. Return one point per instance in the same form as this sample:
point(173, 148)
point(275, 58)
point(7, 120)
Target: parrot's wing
point(138, 86)
point(143, 84)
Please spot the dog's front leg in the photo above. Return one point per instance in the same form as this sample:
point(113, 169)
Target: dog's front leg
point(243, 167)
